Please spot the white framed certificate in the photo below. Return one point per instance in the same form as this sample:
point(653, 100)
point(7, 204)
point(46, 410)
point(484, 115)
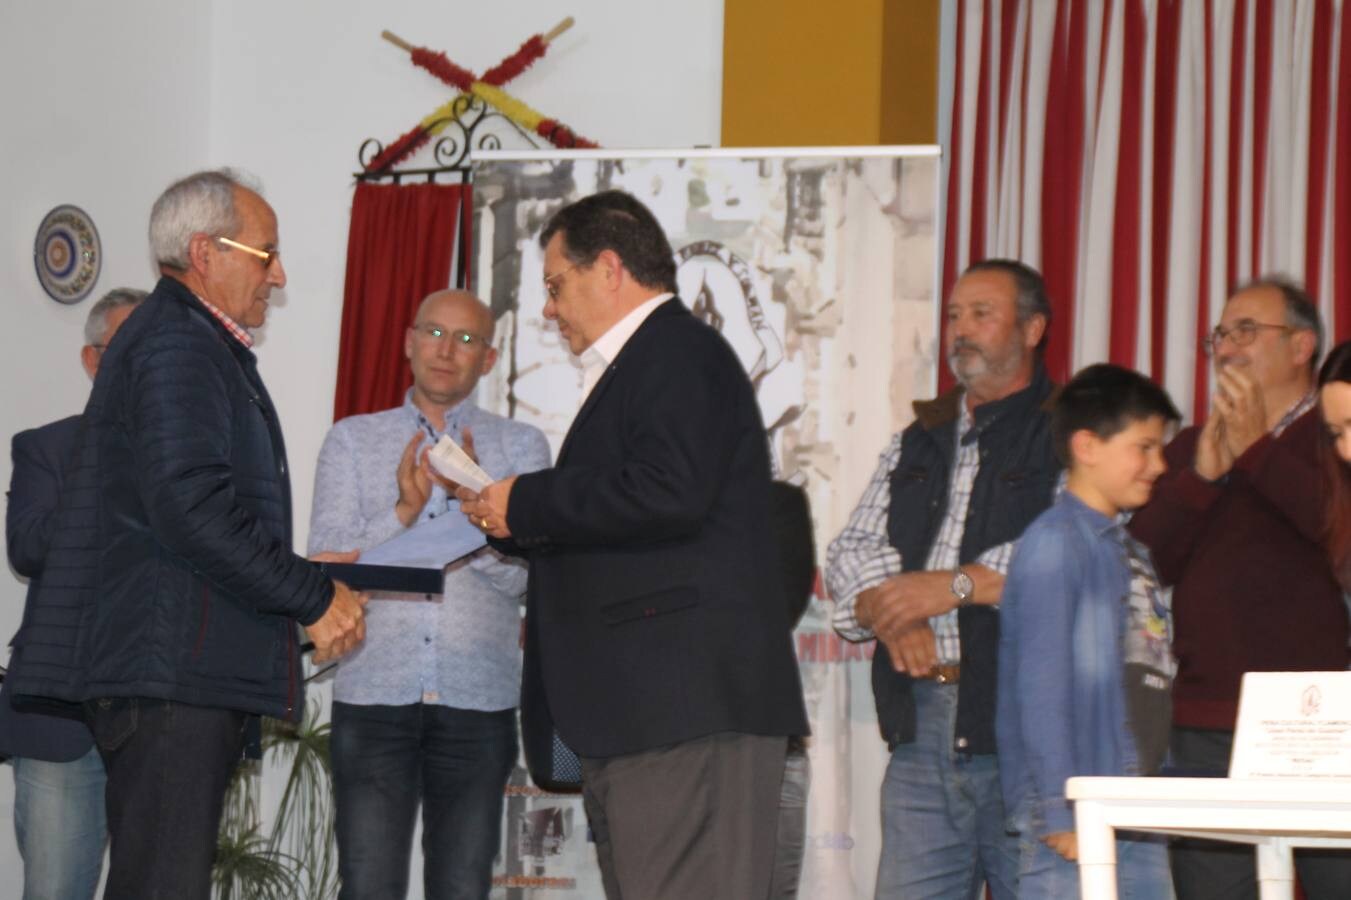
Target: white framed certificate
point(1293, 725)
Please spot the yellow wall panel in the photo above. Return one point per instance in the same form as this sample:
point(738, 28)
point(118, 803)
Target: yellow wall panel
point(801, 72)
point(909, 107)
point(798, 72)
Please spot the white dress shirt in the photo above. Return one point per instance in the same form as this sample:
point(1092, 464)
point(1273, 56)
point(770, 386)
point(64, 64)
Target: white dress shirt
point(596, 358)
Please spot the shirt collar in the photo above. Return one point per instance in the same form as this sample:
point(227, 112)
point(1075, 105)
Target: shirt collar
point(1304, 405)
point(964, 418)
point(606, 347)
point(1015, 406)
point(235, 329)
point(1101, 524)
point(454, 416)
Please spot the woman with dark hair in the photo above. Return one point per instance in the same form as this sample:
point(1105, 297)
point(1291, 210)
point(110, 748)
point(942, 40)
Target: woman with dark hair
point(1334, 396)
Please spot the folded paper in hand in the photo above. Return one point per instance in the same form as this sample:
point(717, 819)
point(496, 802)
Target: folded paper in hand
point(452, 462)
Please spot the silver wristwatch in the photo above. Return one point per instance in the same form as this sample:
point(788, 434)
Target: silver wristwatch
point(962, 587)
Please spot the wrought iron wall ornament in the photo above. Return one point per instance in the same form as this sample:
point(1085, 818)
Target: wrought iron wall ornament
point(473, 124)
point(482, 116)
point(487, 89)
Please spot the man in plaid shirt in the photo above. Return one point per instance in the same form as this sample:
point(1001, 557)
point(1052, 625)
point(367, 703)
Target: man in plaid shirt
point(920, 567)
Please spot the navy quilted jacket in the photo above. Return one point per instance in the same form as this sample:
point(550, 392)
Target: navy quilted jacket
point(170, 573)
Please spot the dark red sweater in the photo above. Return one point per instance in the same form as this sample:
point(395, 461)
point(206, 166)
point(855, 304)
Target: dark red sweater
point(1252, 587)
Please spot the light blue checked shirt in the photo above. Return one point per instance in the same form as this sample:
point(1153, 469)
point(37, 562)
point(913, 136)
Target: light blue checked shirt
point(461, 649)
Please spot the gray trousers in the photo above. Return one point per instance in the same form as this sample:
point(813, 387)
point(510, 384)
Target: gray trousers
point(695, 821)
point(791, 845)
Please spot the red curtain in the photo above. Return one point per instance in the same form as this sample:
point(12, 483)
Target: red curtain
point(1147, 156)
point(399, 250)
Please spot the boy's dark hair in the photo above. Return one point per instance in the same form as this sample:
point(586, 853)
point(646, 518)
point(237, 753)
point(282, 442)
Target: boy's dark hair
point(614, 220)
point(1106, 399)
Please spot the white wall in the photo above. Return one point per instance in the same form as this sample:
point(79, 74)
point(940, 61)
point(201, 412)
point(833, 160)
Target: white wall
point(96, 111)
point(103, 104)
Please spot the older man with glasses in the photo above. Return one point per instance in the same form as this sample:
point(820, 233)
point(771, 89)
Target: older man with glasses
point(171, 596)
point(425, 712)
point(1235, 527)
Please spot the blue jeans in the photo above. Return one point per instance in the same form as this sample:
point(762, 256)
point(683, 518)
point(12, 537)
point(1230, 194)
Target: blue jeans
point(59, 824)
point(1141, 870)
point(387, 759)
point(943, 824)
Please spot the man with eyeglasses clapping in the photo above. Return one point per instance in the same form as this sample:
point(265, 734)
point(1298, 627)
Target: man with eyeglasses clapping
point(425, 711)
point(1235, 527)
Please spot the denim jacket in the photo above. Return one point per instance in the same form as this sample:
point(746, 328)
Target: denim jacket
point(1062, 709)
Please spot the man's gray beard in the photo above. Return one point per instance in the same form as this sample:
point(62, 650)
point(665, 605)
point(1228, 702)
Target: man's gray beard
point(985, 368)
point(961, 378)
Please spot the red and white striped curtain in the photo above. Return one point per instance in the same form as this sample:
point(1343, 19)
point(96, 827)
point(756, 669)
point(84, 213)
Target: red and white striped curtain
point(1147, 156)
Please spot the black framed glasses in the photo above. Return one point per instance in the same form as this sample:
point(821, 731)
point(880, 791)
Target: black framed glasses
point(435, 334)
point(1243, 333)
point(267, 256)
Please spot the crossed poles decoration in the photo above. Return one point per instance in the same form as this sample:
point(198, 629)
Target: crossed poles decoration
point(487, 88)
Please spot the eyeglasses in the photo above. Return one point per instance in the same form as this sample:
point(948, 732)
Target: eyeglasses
point(1242, 334)
point(552, 286)
point(435, 334)
point(267, 256)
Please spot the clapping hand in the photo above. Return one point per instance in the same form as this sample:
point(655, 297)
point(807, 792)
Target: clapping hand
point(1213, 458)
point(1239, 400)
point(415, 481)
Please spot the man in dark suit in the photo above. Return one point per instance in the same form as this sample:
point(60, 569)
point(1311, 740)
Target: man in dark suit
point(58, 776)
point(657, 636)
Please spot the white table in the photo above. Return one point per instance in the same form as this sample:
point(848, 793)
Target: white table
point(1276, 815)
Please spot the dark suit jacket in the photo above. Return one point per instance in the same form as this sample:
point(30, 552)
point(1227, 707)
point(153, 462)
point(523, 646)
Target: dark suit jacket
point(40, 459)
point(655, 601)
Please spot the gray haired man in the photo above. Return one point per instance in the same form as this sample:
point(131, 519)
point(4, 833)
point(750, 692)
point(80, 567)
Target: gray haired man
point(174, 621)
point(920, 567)
point(58, 775)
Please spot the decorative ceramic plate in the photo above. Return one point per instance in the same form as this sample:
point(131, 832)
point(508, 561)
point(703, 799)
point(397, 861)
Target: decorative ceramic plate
point(67, 254)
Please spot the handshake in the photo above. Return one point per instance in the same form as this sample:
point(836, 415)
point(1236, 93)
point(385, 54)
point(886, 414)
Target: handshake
point(342, 627)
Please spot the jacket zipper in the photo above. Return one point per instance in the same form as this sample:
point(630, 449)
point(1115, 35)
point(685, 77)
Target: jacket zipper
point(291, 654)
point(206, 616)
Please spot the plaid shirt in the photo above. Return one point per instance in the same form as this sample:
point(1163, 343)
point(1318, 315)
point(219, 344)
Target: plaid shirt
point(862, 557)
point(230, 324)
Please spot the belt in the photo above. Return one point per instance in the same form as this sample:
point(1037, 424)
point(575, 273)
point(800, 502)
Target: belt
point(944, 674)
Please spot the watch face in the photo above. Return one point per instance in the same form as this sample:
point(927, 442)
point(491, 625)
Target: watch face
point(962, 585)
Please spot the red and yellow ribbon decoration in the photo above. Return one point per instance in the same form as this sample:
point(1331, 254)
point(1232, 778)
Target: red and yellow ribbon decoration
point(488, 88)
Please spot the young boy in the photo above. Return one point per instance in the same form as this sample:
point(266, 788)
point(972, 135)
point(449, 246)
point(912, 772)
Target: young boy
point(1085, 669)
